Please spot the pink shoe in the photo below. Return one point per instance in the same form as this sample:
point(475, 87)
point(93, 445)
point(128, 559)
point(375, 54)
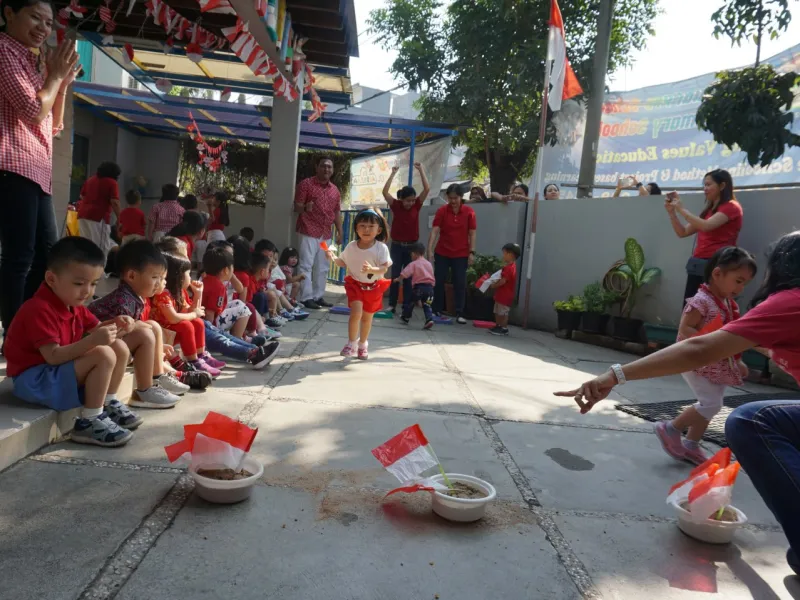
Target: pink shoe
point(671, 443)
point(202, 365)
point(362, 352)
point(348, 351)
point(695, 456)
point(212, 362)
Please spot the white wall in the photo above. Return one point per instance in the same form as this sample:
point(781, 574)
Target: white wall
point(246, 216)
point(105, 71)
point(157, 161)
point(126, 159)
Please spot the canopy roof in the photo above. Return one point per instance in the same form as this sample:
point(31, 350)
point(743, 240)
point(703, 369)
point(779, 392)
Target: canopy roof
point(145, 113)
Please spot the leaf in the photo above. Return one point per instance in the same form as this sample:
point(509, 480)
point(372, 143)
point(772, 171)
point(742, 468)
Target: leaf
point(634, 255)
point(624, 271)
point(649, 274)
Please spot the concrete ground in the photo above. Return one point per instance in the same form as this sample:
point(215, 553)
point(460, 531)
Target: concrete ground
point(580, 514)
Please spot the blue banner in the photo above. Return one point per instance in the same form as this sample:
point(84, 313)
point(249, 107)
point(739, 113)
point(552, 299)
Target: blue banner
point(651, 134)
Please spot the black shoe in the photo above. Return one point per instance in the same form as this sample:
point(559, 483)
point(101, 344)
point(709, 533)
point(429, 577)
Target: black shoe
point(496, 330)
point(428, 324)
point(323, 303)
point(264, 355)
point(311, 304)
point(197, 380)
point(405, 320)
point(393, 309)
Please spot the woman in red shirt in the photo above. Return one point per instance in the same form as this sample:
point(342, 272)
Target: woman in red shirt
point(32, 98)
point(717, 226)
point(218, 209)
point(764, 436)
point(100, 196)
point(452, 245)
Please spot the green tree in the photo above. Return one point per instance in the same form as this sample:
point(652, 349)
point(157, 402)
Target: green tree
point(751, 107)
point(480, 64)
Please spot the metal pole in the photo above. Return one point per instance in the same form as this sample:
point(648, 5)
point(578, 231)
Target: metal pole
point(594, 111)
point(537, 181)
point(412, 148)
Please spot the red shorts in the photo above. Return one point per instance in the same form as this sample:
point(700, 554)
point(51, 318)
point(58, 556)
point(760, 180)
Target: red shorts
point(369, 294)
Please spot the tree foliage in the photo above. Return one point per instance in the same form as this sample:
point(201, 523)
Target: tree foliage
point(741, 20)
point(751, 108)
point(480, 64)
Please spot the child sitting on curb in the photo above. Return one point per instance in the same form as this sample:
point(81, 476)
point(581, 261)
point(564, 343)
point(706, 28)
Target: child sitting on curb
point(420, 271)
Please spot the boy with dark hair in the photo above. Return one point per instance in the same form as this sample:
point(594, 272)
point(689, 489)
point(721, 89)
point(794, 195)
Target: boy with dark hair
point(142, 267)
point(420, 272)
point(506, 288)
point(131, 222)
point(61, 356)
point(248, 234)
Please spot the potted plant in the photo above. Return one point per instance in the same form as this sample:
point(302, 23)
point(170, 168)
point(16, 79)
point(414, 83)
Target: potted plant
point(569, 312)
point(635, 275)
point(596, 301)
point(480, 306)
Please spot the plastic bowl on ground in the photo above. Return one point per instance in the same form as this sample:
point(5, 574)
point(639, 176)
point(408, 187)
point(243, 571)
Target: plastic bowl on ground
point(228, 492)
point(709, 531)
point(462, 510)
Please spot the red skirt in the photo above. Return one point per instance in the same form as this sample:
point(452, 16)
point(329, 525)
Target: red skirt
point(369, 294)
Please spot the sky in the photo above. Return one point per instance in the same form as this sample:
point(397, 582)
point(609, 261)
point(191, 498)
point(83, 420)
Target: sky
point(683, 47)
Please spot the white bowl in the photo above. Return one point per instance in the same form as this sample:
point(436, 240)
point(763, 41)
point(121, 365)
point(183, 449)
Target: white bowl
point(228, 492)
point(710, 531)
point(463, 510)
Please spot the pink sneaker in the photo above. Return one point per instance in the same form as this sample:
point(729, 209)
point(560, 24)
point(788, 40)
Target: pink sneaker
point(362, 352)
point(348, 351)
point(694, 455)
point(671, 443)
point(212, 362)
point(202, 365)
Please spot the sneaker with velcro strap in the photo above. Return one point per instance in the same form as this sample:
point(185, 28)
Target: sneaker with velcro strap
point(122, 415)
point(101, 431)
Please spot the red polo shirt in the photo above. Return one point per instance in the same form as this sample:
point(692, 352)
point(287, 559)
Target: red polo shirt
point(43, 320)
point(131, 221)
point(187, 239)
point(96, 195)
point(709, 242)
point(326, 199)
point(215, 225)
point(244, 278)
point(454, 230)
point(405, 221)
point(215, 296)
point(505, 293)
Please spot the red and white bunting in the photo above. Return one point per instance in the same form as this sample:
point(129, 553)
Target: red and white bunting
point(127, 54)
point(107, 20)
point(181, 28)
point(216, 6)
point(285, 89)
point(225, 95)
point(211, 157)
point(317, 106)
point(74, 9)
point(244, 45)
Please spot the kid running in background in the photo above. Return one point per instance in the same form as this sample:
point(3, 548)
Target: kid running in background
point(506, 288)
point(420, 272)
point(166, 214)
point(173, 310)
point(366, 260)
point(131, 221)
point(60, 356)
point(288, 263)
point(727, 272)
point(191, 228)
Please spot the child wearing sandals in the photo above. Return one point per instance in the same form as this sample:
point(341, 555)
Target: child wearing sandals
point(727, 272)
point(366, 260)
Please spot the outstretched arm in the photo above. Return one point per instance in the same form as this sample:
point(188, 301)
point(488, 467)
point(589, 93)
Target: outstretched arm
point(386, 195)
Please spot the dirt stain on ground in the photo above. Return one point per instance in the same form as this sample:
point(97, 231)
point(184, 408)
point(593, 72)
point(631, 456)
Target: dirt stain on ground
point(568, 460)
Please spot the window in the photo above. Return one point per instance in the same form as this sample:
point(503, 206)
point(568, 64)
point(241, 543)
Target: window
point(132, 84)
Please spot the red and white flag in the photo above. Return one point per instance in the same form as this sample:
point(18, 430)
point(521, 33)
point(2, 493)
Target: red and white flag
point(709, 486)
point(218, 441)
point(406, 455)
point(563, 82)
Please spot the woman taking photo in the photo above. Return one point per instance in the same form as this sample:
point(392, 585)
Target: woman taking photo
point(717, 226)
point(32, 94)
point(452, 247)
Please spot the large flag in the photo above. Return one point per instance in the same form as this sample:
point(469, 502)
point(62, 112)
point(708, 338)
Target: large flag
point(563, 83)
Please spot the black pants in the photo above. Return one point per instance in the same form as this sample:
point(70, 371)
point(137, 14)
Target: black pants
point(401, 257)
point(422, 292)
point(27, 232)
point(441, 269)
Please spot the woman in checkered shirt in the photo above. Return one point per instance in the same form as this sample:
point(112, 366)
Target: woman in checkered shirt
point(32, 96)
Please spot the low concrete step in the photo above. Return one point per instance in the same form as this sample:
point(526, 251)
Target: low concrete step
point(25, 428)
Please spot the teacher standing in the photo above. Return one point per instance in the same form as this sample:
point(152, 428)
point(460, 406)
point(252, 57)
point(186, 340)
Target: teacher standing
point(717, 226)
point(32, 95)
point(452, 246)
point(318, 204)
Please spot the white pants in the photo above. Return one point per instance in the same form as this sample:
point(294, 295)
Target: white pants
point(709, 395)
point(99, 232)
point(215, 235)
point(314, 265)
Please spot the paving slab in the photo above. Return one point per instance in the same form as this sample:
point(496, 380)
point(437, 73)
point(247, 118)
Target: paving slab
point(607, 471)
point(160, 428)
point(313, 446)
point(281, 544)
point(630, 560)
point(59, 524)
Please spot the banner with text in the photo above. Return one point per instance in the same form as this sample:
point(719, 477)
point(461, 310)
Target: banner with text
point(651, 134)
point(369, 174)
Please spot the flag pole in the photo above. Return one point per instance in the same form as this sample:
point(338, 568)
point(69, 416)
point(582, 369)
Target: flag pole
point(537, 178)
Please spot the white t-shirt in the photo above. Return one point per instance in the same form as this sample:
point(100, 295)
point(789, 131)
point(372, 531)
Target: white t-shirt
point(354, 257)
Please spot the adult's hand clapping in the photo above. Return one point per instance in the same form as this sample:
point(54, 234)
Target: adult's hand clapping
point(62, 62)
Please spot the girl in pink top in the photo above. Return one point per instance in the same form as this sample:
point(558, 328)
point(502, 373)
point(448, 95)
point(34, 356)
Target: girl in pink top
point(420, 271)
point(712, 307)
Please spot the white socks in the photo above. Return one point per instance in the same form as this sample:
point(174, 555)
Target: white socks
point(91, 413)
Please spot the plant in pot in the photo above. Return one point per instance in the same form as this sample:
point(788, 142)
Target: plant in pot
point(480, 306)
point(634, 276)
point(569, 312)
point(596, 302)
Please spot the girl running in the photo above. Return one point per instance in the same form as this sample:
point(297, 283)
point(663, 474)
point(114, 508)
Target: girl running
point(366, 260)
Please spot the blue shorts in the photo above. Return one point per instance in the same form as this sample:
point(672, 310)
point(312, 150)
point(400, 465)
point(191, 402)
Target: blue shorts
point(53, 386)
